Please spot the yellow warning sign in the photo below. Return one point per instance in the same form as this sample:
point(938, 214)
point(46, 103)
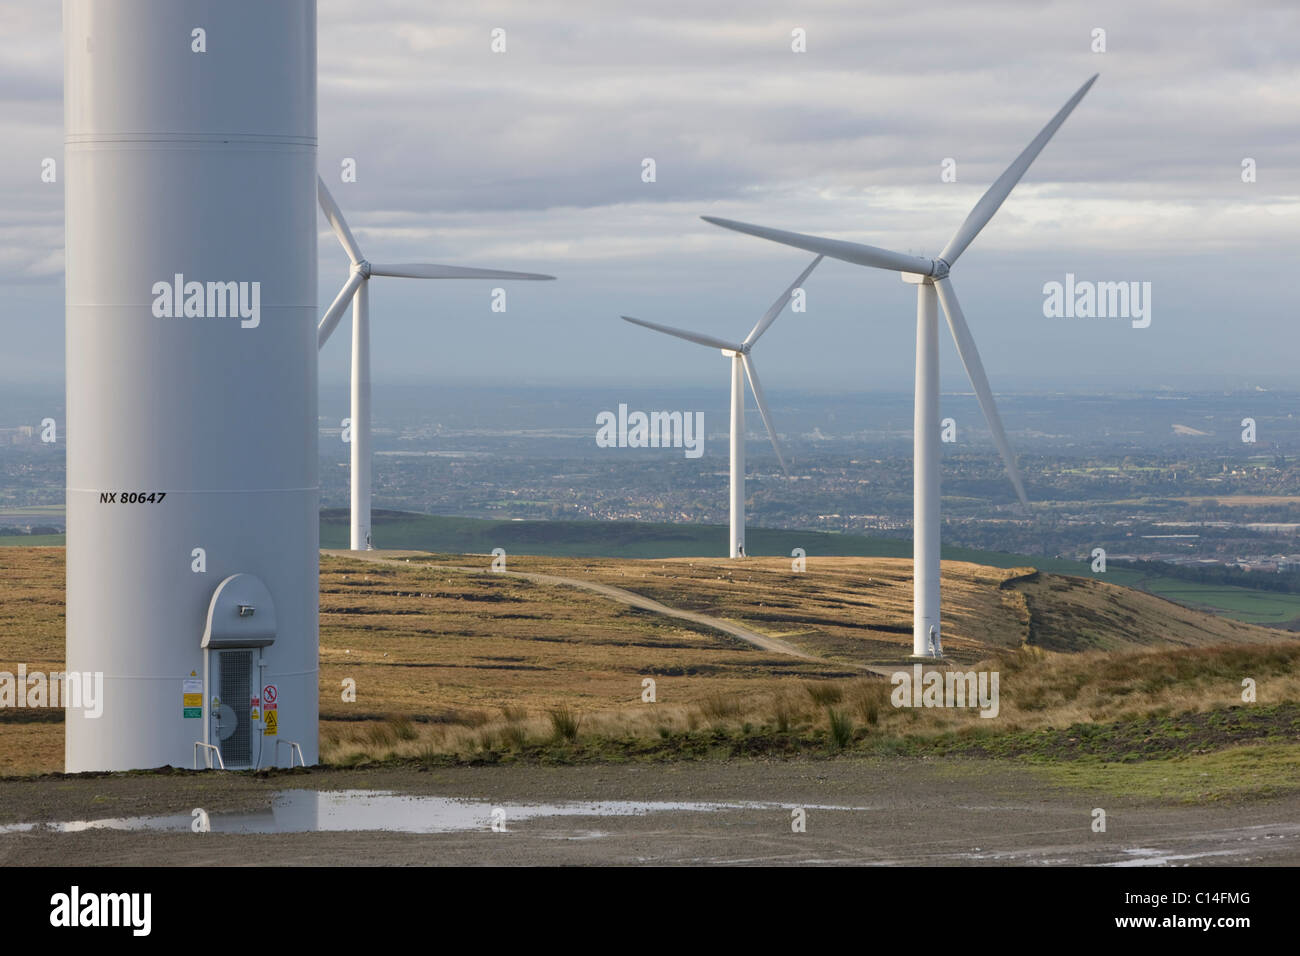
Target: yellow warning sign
point(272, 723)
point(255, 715)
point(193, 700)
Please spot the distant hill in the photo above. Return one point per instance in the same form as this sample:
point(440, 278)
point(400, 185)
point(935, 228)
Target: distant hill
point(1073, 614)
point(1252, 601)
point(640, 539)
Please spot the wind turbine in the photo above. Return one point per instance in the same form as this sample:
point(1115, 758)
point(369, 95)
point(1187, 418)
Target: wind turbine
point(356, 291)
point(930, 277)
point(739, 355)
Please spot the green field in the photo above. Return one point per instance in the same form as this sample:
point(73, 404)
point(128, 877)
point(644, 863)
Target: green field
point(33, 540)
point(394, 530)
point(1244, 604)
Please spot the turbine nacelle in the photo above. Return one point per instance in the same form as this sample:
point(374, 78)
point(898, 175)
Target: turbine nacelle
point(913, 278)
point(938, 270)
point(741, 350)
point(362, 269)
point(921, 271)
point(355, 293)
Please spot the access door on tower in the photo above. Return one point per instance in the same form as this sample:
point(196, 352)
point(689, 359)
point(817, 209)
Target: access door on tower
point(240, 628)
point(231, 725)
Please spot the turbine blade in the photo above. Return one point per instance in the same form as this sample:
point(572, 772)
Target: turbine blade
point(335, 216)
point(419, 270)
point(855, 252)
point(970, 358)
point(337, 308)
point(757, 389)
point(1001, 188)
point(770, 315)
point(688, 336)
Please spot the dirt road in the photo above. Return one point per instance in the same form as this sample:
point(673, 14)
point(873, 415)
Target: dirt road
point(632, 599)
point(856, 811)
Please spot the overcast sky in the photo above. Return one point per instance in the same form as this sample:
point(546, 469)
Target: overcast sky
point(532, 159)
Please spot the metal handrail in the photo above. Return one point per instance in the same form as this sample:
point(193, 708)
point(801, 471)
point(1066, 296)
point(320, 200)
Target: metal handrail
point(293, 745)
point(207, 747)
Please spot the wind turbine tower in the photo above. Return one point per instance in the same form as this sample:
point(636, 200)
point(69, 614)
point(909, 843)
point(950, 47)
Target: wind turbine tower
point(742, 365)
point(192, 489)
point(933, 288)
point(357, 291)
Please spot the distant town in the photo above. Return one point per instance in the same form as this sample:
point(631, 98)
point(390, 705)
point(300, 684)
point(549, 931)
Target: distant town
point(1146, 478)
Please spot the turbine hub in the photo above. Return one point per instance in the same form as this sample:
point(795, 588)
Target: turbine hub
point(940, 268)
point(362, 267)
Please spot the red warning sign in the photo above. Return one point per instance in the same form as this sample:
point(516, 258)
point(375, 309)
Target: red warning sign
point(269, 695)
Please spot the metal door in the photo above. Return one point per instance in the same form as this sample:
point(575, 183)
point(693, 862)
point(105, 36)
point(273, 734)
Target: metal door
point(230, 719)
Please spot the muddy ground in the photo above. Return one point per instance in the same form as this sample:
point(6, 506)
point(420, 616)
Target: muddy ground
point(897, 811)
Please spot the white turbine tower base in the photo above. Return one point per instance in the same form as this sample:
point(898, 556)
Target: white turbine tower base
point(359, 463)
point(933, 283)
point(737, 476)
point(925, 471)
point(742, 366)
point(357, 291)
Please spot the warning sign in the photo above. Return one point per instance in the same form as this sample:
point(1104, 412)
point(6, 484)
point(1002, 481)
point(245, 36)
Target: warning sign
point(270, 712)
point(192, 697)
point(255, 714)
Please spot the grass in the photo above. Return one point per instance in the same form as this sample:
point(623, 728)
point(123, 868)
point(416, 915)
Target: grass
point(33, 540)
point(868, 701)
point(466, 666)
point(1078, 614)
point(646, 540)
point(720, 706)
point(824, 694)
point(1258, 770)
point(841, 728)
point(1131, 706)
point(1091, 709)
point(565, 723)
point(1244, 604)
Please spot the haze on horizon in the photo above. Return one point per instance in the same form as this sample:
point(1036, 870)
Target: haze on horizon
point(531, 159)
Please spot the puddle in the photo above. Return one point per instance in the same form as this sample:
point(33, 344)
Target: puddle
point(1142, 856)
point(307, 811)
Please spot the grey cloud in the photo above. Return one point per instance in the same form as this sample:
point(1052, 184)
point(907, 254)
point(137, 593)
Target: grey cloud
point(531, 159)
